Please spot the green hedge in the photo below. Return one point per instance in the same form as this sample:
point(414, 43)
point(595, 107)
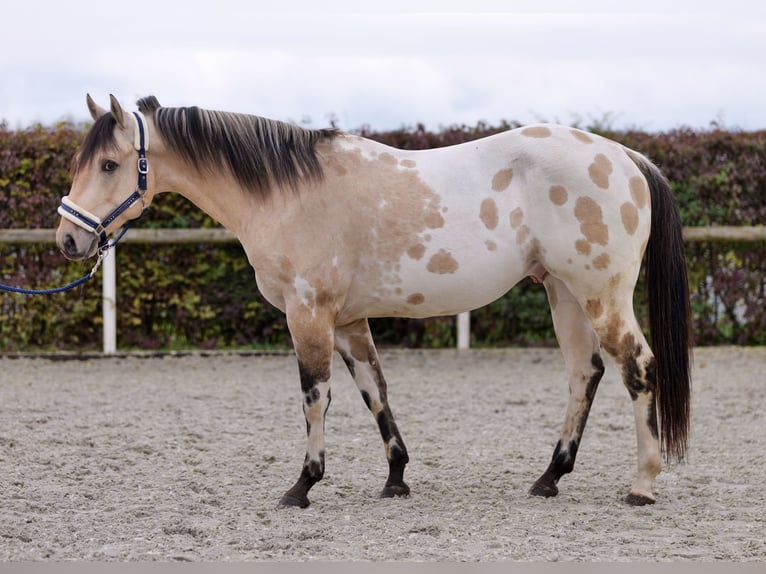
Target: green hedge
point(204, 296)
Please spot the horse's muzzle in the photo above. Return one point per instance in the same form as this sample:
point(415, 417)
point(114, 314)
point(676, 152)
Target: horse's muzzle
point(75, 243)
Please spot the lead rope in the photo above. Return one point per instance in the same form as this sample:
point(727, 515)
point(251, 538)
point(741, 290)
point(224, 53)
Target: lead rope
point(101, 254)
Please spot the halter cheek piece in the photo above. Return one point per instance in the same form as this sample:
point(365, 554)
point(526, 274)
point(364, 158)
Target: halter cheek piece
point(79, 216)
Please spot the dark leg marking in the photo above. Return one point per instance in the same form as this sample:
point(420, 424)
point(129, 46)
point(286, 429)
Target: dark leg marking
point(362, 361)
point(651, 383)
point(312, 473)
point(637, 384)
point(561, 464)
point(312, 396)
point(395, 485)
point(563, 459)
point(632, 377)
point(397, 455)
point(651, 420)
point(313, 470)
point(590, 390)
point(384, 424)
point(308, 377)
point(349, 361)
point(366, 399)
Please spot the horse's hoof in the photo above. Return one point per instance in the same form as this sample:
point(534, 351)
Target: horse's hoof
point(638, 500)
point(392, 490)
point(288, 500)
point(545, 489)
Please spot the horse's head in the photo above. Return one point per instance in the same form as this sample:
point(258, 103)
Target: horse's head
point(110, 181)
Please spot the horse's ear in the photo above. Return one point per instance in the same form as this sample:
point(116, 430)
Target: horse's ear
point(95, 110)
point(117, 112)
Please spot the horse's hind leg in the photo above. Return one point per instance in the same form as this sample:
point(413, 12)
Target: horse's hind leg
point(622, 338)
point(354, 343)
point(580, 347)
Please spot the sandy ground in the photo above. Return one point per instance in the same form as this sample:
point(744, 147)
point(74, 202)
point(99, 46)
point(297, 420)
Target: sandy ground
point(183, 458)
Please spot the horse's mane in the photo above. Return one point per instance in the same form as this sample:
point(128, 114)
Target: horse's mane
point(258, 152)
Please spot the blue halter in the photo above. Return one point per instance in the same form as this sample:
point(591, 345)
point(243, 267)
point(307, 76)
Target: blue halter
point(83, 218)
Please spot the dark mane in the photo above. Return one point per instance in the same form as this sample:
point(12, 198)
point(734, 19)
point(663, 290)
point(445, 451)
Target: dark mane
point(258, 152)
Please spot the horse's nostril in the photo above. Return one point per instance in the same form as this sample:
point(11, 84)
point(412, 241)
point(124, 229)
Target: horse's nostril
point(70, 247)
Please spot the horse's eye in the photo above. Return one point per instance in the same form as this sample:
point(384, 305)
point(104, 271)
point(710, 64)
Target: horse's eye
point(109, 165)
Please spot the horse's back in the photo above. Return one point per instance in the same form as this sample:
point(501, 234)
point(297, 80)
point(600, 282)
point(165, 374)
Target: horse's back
point(455, 228)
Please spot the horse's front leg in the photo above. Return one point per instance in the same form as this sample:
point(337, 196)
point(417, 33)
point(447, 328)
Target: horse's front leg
point(312, 334)
point(354, 343)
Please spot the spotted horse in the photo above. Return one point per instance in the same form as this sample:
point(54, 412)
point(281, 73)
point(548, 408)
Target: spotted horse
point(339, 228)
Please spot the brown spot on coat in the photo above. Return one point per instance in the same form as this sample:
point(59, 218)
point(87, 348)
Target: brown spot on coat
point(600, 170)
point(582, 136)
point(488, 213)
point(602, 261)
point(517, 216)
point(536, 132)
point(638, 191)
point(502, 179)
point(558, 194)
point(589, 214)
point(324, 298)
point(594, 308)
point(417, 251)
point(434, 220)
point(582, 246)
point(338, 169)
point(629, 214)
point(442, 263)
point(491, 245)
point(408, 163)
point(416, 299)
point(387, 158)
point(286, 272)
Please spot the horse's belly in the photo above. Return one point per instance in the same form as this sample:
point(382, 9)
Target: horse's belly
point(442, 287)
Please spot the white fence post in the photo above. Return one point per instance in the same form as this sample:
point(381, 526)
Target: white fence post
point(109, 301)
point(464, 330)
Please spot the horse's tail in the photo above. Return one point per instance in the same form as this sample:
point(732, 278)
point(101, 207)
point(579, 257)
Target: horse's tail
point(669, 311)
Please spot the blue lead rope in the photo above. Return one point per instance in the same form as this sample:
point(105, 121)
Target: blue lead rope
point(72, 285)
point(101, 254)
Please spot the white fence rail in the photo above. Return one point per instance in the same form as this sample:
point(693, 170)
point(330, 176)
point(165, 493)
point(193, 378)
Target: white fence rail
point(219, 235)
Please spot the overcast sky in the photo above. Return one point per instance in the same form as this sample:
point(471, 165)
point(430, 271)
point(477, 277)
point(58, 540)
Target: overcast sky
point(651, 64)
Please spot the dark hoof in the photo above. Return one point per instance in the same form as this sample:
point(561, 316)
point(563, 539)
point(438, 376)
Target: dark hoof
point(288, 500)
point(638, 500)
point(546, 489)
point(392, 490)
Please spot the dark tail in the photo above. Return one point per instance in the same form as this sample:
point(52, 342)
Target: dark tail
point(669, 311)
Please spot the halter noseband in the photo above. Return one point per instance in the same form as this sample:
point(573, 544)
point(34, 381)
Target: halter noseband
point(79, 216)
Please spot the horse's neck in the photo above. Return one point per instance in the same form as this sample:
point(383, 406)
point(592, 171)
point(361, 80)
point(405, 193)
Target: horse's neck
point(217, 194)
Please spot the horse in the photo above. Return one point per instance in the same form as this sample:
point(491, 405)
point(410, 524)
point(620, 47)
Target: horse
point(340, 228)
